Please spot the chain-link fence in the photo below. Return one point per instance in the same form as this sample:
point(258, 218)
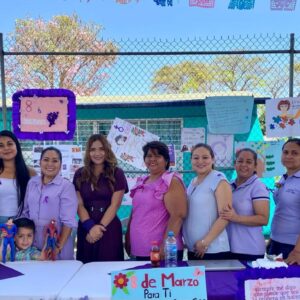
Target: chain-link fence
point(157, 85)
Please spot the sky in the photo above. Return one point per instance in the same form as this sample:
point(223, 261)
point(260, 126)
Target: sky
point(146, 20)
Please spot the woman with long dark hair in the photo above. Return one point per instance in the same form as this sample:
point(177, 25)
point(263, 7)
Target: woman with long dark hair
point(14, 176)
point(100, 186)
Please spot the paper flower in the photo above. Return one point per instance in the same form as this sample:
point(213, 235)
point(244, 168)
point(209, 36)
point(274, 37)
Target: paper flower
point(121, 281)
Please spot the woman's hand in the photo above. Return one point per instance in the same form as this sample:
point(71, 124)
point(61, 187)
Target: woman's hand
point(95, 234)
point(228, 213)
point(200, 248)
point(293, 258)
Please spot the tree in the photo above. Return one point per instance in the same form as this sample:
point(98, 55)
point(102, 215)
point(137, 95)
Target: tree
point(183, 78)
point(83, 74)
point(239, 72)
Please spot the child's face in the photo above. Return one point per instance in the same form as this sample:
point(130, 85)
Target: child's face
point(24, 238)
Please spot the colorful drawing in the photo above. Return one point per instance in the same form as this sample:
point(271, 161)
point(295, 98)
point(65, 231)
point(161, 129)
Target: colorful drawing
point(127, 141)
point(44, 114)
point(190, 137)
point(283, 117)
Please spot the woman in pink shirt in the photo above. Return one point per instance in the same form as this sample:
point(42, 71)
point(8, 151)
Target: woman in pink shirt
point(159, 205)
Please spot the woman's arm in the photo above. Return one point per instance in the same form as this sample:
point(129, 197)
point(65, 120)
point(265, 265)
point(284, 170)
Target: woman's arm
point(223, 196)
point(111, 211)
point(294, 256)
point(176, 205)
point(260, 217)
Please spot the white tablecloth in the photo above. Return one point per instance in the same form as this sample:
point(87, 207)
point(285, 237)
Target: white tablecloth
point(93, 280)
point(41, 279)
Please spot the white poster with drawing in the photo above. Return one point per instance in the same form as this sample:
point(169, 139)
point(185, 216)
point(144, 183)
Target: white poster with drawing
point(190, 137)
point(283, 117)
point(222, 145)
point(127, 141)
point(72, 159)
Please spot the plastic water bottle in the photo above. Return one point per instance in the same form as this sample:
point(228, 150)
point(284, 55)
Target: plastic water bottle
point(171, 250)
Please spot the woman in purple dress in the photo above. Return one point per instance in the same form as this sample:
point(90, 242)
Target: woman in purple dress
point(100, 188)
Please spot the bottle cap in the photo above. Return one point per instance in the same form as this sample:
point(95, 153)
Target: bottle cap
point(170, 233)
point(154, 242)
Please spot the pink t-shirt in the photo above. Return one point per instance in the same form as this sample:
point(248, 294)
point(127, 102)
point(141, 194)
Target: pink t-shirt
point(149, 214)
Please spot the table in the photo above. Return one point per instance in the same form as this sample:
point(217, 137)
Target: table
point(93, 280)
point(41, 279)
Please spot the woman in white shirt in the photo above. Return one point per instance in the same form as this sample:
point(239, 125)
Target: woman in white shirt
point(14, 176)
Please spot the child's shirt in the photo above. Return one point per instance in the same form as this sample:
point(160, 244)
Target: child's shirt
point(31, 253)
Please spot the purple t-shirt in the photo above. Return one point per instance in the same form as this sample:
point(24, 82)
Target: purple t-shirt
point(245, 239)
point(56, 200)
point(286, 221)
point(149, 214)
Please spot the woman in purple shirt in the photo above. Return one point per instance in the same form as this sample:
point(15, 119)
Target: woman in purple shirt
point(285, 229)
point(250, 209)
point(100, 186)
point(52, 197)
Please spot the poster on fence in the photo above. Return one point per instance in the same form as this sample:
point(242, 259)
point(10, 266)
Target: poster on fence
point(190, 137)
point(127, 141)
point(72, 159)
point(268, 156)
point(229, 114)
point(222, 145)
point(283, 117)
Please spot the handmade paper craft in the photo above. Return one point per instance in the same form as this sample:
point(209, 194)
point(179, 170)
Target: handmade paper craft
point(127, 141)
point(283, 117)
point(272, 288)
point(202, 3)
point(44, 114)
point(222, 146)
point(159, 283)
point(283, 4)
point(241, 4)
point(229, 114)
point(164, 2)
point(190, 137)
point(268, 153)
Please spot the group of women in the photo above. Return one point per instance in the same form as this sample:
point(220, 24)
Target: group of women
point(216, 219)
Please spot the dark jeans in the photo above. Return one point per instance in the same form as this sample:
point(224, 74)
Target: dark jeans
point(245, 257)
point(209, 256)
point(277, 248)
point(179, 256)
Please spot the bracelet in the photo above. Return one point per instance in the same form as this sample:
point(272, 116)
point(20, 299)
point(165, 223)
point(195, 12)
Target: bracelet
point(102, 225)
point(205, 246)
point(88, 224)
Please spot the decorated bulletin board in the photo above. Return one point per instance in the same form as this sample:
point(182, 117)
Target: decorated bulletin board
point(44, 114)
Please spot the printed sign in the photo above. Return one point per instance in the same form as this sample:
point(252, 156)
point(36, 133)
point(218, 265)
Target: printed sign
point(127, 141)
point(184, 283)
point(44, 114)
point(274, 288)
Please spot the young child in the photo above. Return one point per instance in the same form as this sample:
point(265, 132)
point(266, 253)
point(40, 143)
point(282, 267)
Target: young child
point(24, 239)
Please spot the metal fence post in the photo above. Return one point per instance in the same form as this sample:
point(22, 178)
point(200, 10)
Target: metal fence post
point(2, 71)
point(292, 64)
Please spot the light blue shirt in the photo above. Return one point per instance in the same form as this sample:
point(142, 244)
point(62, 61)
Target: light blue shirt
point(245, 239)
point(203, 212)
point(286, 221)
